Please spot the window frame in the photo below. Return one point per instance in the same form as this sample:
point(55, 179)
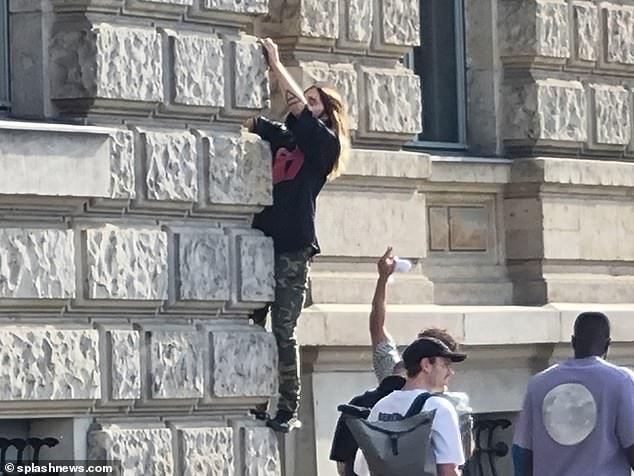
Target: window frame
point(5, 72)
point(461, 87)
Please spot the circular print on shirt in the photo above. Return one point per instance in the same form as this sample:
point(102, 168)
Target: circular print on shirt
point(570, 413)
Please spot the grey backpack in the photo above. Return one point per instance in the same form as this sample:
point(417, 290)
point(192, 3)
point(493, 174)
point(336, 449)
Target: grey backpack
point(396, 445)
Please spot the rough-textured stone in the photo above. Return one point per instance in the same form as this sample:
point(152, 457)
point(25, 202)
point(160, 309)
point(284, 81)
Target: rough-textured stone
point(206, 451)
point(261, 453)
point(244, 364)
point(400, 22)
point(547, 109)
point(256, 268)
point(142, 452)
point(126, 263)
point(176, 365)
point(619, 31)
point(203, 266)
point(198, 70)
point(37, 263)
point(125, 366)
point(319, 18)
point(358, 21)
point(109, 62)
point(242, 6)
point(122, 165)
point(49, 364)
point(170, 166)
point(534, 27)
point(586, 30)
point(239, 169)
point(344, 78)
point(250, 79)
point(612, 114)
point(393, 101)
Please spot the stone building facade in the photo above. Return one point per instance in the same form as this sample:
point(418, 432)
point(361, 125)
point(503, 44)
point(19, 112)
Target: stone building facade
point(128, 267)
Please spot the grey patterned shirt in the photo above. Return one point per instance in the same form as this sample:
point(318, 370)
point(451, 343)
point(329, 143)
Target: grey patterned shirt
point(384, 357)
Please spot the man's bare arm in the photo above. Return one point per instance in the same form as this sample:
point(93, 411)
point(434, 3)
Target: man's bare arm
point(291, 92)
point(448, 470)
point(385, 266)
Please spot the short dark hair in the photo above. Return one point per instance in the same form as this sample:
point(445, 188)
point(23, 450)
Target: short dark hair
point(440, 334)
point(591, 334)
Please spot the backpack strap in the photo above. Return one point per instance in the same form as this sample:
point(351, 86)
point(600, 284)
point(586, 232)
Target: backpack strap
point(417, 405)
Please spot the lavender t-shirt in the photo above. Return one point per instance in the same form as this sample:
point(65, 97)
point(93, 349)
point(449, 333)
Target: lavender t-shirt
point(578, 417)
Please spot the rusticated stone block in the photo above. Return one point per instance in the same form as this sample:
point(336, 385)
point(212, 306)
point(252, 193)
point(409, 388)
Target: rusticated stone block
point(239, 169)
point(319, 18)
point(176, 365)
point(122, 165)
point(314, 20)
point(356, 21)
point(257, 259)
point(586, 31)
point(107, 62)
point(619, 28)
point(393, 101)
point(198, 70)
point(206, 451)
point(170, 166)
point(261, 453)
point(37, 263)
point(250, 79)
point(612, 116)
point(242, 6)
point(399, 23)
point(203, 266)
point(125, 366)
point(534, 28)
point(547, 109)
point(244, 364)
point(49, 364)
point(126, 263)
point(343, 77)
point(142, 452)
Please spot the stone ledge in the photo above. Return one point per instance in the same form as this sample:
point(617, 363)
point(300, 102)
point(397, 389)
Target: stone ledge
point(470, 170)
point(347, 325)
point(573, 172)
point(62, 159)
point(390, 164)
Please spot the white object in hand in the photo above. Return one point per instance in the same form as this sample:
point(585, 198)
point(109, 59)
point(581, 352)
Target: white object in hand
point(402, 265)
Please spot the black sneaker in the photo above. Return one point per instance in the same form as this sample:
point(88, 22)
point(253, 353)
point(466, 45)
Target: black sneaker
point(284, 422)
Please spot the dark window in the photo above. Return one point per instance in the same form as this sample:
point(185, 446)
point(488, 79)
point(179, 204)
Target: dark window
point(4, 55)
point(440, 63)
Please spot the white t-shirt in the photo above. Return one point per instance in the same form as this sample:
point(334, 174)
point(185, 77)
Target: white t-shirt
point(445, 433)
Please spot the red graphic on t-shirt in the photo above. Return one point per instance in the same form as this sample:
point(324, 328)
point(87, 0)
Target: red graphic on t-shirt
point(287, 164)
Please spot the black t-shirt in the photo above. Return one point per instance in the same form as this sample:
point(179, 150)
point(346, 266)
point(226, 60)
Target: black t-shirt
point(304, 151)
point(344, 447)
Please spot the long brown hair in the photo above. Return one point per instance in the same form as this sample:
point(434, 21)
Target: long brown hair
point(334, 108)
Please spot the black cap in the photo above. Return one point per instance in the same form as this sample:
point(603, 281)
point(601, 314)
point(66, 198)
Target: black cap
point(429, 347)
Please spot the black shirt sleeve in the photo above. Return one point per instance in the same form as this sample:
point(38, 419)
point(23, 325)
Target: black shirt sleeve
point(319, 144)
point(270, 131)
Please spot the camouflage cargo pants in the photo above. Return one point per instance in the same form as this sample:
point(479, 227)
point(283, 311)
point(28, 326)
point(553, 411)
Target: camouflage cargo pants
point(291, 276)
